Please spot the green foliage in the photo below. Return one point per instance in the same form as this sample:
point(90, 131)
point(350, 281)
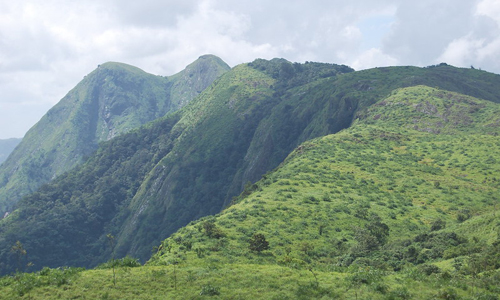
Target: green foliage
point(438, 224)
point(23, 283)
point(20, 253)
point(114, 99)
point(212, 231)
point(258, 243)
point(125, 262)
point(209, 290)
point(356, 208)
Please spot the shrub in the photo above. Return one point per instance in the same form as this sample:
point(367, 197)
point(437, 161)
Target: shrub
point(212, 231)
point(311, 291)
point(438, 225)
point(448, 294)
point(428, 269)
point(258, 243)
point(127, 261)
point(210, 290)
point(399, 293)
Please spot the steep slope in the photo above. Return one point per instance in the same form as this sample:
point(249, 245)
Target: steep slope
point(6, 147)
point(401, 205)
point(111, 100)
point(143, 186)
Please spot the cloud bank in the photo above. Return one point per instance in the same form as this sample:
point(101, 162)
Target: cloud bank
point(46, 47)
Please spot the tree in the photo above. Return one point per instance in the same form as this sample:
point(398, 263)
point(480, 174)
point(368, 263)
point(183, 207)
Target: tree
point(212, 231)
point(20, 252)
point(378, 229)
point(111, 241)
point(258, 243)
point(438, 224)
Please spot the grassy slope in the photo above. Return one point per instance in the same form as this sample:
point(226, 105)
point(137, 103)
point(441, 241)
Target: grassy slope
point(418, 156)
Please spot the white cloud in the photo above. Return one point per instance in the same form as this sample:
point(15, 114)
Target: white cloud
point(490, 8)
point(372, 58)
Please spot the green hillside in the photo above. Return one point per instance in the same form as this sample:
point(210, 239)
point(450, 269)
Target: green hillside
point(112, 100)
point(401, 205)
point(143, 186)
point(6, 147)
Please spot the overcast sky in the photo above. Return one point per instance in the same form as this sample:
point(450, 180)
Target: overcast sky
point(48, 46)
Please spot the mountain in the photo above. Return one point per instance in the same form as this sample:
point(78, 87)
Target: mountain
point(6, 147)
point(112, 100)
point(143, 186)
point(402, 204)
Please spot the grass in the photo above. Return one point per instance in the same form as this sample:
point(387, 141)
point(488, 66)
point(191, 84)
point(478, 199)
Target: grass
point(253, 281)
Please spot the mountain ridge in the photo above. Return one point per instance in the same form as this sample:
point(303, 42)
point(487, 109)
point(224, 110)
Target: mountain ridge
point(111, 100)
point(251, 118)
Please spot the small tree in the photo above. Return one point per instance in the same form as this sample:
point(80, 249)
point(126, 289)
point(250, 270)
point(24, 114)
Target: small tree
point(438, 224)
point(20, 252)
point(111, 241)
point(258, 243)
point(212, 231)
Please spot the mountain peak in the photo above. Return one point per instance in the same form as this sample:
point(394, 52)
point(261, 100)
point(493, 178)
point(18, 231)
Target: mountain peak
point(111, 65)
point(207, 62)
point(211, 57)
point(197, 76)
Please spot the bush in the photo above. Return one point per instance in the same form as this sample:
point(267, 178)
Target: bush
point(428, 269)
point(24, 283)
point(311, 291)
point(448, 294)
point(60, 276)
point(258, 243)
point(210, 290)
point(438, 225)
point(212, 231)
point(127, 261)
point(399, 293)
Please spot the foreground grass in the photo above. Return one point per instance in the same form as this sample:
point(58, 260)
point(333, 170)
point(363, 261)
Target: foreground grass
point(249, 281)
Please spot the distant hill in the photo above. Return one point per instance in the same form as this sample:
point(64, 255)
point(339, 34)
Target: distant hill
point(144, 185)
point(112, 100)
point(6, 147)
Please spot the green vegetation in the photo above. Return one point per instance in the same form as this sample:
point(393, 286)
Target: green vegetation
point(144, 185)
point(114, 99)
point(401, 205)
point(373, 184)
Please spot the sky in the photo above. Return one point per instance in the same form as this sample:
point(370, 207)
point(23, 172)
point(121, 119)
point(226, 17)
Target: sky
point(48, 46)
